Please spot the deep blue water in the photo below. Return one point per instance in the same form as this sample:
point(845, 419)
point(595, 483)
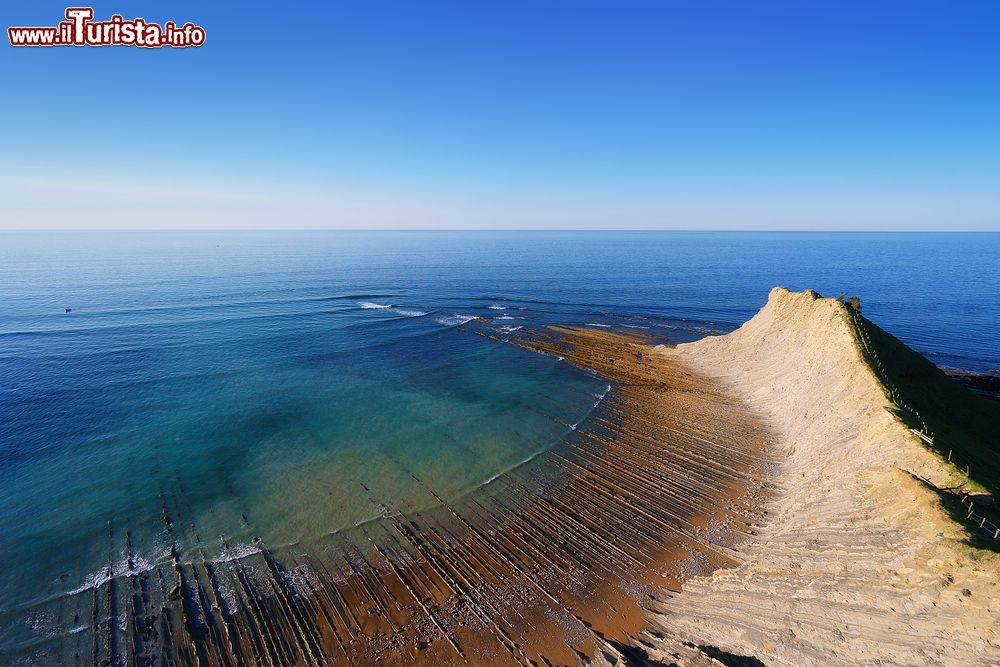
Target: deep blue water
point(274, 373)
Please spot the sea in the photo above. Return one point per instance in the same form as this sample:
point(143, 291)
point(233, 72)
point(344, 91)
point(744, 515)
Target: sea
point(303, 381)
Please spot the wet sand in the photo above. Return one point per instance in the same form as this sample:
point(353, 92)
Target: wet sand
point(550, 563)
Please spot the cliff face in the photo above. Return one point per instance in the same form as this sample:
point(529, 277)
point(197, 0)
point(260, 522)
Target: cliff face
point(799, 361)
point(858, 562)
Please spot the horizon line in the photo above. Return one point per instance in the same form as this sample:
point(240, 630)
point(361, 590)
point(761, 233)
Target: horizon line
point(498, 229)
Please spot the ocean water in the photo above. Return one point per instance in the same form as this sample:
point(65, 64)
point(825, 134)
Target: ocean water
point(292, 385)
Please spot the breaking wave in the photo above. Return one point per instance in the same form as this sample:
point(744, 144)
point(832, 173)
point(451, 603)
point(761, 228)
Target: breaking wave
point(405, 312)
point(455, 320)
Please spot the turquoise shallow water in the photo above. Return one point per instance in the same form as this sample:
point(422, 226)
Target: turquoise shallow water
point(303, 379)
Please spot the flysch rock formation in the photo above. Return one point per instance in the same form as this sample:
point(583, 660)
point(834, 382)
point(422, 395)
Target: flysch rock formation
point(857, 563)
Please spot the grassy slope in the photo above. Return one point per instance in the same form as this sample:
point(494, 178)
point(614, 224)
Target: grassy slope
point(930, 401)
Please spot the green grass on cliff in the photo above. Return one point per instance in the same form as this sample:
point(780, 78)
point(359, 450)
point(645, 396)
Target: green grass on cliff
point(928, 400)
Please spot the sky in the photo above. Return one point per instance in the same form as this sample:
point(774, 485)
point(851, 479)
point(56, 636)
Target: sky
point(673, 114)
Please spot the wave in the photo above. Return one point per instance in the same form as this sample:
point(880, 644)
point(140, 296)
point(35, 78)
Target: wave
point(595, 324)
point(140, 565)
point(497, 307)
point(236, 552)
point(543, 450)
point(405, 312)
point(455, 320)
point(505, 317)
point(513, 467)
point(118, 570)
point(509, 329)
point(599, 397)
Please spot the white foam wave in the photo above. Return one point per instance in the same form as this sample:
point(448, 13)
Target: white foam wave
point(513, 467)
point(505, 317)
point(530, 457)
point(455, 320)
point(119, 569)
point(495, 307)
point(96, 580)
point(302, 579)
point(509, 329)
point(595, 324)
point(405, 312)
point(236, 552)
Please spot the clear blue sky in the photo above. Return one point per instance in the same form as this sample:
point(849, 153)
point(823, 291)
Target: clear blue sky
point(668, 114)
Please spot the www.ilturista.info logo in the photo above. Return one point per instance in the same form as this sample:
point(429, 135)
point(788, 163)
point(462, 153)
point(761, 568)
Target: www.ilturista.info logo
point(80, 30)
